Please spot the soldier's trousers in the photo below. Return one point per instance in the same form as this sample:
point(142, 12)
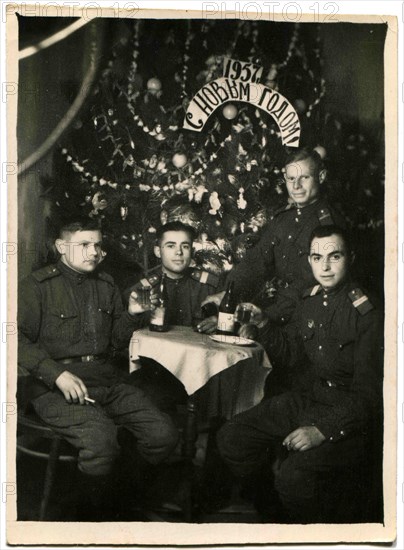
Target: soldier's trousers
point(246, 441)
point(92, 429)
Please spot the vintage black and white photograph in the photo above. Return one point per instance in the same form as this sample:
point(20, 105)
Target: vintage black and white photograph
point(201, 274)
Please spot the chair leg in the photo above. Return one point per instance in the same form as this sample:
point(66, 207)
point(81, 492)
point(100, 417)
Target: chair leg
point(49, 477)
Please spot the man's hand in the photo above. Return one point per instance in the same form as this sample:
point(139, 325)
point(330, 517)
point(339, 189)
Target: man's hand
point(72, 387)
point(303, 439)
point(135, 306)
point(208, 325)
point(248, 331)
point(257, 317)
point(214, 298)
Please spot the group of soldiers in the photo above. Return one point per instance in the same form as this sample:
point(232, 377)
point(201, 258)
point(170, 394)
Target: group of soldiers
point(321, 331)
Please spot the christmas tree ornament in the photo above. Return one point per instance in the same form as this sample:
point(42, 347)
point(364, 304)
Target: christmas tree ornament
point(271, 78)
point(179, 160)
point(153, 162)
point(161, 167)
point(163, 217)
point(241, 202)
point(153, 85)
point(300, 106)
point(230, 111)
point(215, 204)
point(321, 151)
point(99, 202)
point(124, 212)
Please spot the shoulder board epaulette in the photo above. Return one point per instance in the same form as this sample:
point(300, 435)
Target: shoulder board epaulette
point(106, 277)
point(311, 291)
point(360, 301)
point(47, 272)
point(204, 277)
point(324, 216)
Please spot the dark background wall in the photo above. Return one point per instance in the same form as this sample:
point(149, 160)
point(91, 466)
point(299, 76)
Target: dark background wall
point(49, 81)
point(354, 71)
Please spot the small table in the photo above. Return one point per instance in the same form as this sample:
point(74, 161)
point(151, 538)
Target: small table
point(195, 358)
point(236, 374)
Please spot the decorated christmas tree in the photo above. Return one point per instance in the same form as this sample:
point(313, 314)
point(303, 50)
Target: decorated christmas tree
point(130, 162)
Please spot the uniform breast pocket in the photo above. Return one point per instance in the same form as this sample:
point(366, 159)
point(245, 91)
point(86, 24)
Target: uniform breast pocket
point(105, 317)
point(62, 324)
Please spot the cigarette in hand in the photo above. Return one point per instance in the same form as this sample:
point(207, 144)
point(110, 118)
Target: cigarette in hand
point(89, 400)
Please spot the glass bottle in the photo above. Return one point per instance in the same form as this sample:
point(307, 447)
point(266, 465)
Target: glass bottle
point(225, 320)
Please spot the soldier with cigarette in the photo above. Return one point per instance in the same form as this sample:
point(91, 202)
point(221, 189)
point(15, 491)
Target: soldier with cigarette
point(70, 317)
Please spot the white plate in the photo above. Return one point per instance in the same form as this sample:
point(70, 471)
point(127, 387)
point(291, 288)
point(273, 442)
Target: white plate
point(231, 339)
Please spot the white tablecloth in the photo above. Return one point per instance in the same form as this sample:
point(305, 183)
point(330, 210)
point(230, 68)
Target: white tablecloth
point(194, 358)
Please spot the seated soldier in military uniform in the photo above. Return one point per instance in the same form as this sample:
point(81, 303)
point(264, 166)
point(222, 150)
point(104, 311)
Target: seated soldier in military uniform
point(186, 289)
point(335, 344)
point(70, 316)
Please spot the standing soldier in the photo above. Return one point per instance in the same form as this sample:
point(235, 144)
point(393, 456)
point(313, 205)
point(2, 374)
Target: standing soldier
point(334, 343)
point(281, 253)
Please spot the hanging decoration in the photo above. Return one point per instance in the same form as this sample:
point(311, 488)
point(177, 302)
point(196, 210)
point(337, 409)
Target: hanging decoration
point(230, 111)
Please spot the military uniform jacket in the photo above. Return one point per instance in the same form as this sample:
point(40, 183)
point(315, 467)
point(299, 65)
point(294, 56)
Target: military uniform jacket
point(185, 295)
point(283, 249)
point(336, 340)
point(65, 314)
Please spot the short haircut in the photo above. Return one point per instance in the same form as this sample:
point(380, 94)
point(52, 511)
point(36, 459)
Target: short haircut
point(322, 231)
point(79, 224)
point(305, 153)
point(174, 226)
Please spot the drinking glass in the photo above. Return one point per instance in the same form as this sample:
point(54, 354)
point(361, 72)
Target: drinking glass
point(243, 314)
point(143, 296)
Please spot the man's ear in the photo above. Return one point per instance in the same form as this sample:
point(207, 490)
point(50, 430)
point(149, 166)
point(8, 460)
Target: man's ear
point(60, 246)
point(322, 175)
point(309, 259)
point(157, 252)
